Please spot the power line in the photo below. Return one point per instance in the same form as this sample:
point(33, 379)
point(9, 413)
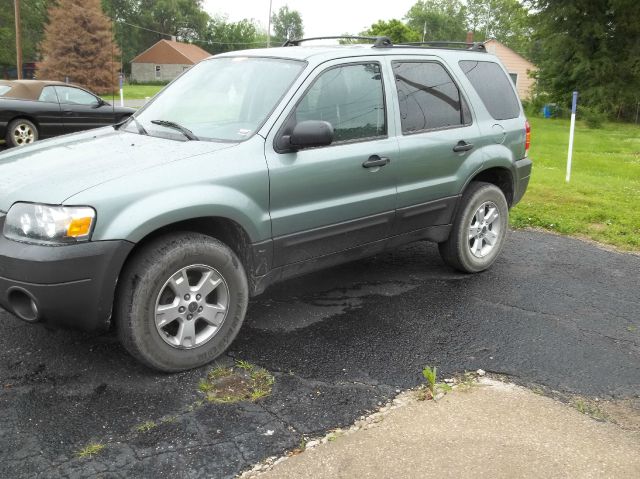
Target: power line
point(209, 42)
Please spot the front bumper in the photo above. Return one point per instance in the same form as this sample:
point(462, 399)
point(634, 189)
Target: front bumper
point(521, 175)
point(71, 285)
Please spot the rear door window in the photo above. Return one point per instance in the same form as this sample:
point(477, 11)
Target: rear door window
point(428, 97)
point(494, 88)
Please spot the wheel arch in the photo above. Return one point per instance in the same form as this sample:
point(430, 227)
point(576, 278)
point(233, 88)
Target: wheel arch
point(499, 176)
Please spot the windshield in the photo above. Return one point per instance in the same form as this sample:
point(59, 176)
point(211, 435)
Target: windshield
point(224, 99)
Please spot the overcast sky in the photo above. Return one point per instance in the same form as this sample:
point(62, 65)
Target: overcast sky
point(320, 17)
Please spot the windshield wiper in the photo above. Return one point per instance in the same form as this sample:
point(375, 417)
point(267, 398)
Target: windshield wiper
point(170, 124)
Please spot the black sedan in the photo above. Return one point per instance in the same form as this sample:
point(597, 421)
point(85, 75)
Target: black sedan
point(32, 110)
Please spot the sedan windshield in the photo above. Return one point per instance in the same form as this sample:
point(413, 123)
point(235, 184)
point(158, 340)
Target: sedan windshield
point(223, 99)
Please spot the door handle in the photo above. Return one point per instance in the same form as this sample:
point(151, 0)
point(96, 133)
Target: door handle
point(376, 161)
point(462, 146)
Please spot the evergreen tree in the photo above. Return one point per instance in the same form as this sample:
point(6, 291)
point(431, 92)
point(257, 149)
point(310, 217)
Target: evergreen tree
point(592, 46)
point(78, 44)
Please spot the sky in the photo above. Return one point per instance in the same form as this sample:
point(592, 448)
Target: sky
point(319, 17)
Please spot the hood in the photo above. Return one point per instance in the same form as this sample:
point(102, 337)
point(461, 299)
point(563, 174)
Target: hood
point(51, 171)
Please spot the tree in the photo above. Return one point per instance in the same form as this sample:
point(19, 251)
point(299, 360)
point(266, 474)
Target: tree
point(438, 19)
point(33, 14)
point(287, 24)
point(223, 36)
point(508, 21)
point(78, 44)
point(593, 47)
point(397, 31)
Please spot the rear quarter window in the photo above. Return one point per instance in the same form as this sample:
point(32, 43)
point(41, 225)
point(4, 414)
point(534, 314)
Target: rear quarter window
point(4, 89)
point(494, 88)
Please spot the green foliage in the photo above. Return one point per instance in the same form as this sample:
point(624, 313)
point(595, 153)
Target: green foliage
point(438, 19)
point(397, 31)
point(222, 36)
point(508, 21)
point(287, 24)
point(33, 15)
point(431, 376)
point(593, 117)
point(592, 47)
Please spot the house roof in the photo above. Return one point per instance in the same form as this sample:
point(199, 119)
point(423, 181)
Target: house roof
point(168, 52)
point(493, 40)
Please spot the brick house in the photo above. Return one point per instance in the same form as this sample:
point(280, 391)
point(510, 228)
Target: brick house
point(165, 60)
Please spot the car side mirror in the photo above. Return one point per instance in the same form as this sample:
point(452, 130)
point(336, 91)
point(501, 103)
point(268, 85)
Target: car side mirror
point(307, 134)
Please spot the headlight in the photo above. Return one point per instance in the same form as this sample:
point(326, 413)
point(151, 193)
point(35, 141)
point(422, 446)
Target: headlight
point(49, 224)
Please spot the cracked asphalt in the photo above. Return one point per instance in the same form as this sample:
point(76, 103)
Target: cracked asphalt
point(553, 311)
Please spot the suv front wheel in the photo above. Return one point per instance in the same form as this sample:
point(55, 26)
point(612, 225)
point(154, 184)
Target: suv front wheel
point(479, 229)
point(181, 301)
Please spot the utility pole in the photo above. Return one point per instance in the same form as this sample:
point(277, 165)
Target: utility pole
point(424, 31)
point(16, 5)
point(269, 27)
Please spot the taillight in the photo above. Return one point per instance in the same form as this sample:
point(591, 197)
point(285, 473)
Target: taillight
point(527, 141)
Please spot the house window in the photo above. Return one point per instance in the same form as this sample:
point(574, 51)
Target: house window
point(157, 71)
point(514, 78)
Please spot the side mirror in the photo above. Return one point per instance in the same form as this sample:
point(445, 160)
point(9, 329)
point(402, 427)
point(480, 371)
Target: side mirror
point(307, 134)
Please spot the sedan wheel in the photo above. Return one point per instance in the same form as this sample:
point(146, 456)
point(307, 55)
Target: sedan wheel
point(21, 133)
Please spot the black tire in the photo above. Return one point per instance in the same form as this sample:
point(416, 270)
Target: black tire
point(456, 251)
point(30, 130)
point(147, 274)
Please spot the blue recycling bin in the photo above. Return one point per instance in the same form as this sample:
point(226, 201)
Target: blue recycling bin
point(546, 111)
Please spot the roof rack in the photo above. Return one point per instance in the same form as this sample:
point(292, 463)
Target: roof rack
point(378, 41)
point(385, 42)
point(475, 46)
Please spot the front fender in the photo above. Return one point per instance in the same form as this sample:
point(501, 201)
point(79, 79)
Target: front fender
point(147, 214)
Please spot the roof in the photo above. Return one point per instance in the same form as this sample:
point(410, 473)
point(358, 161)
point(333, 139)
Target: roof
point(27, 89)
point(493, 40)
point(168, 52)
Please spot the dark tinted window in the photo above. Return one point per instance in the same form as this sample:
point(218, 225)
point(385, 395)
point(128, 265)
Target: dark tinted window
point(351, 98)
point(494, 88)
point(429, 99)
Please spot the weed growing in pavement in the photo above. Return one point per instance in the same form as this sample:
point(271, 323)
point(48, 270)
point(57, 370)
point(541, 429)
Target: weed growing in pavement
point(590, 408)
point(432, 388)
point(242, 382)
point(90, 450)
point(146, 426)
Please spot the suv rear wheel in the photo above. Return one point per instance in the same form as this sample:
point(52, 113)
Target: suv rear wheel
point(479, 229)
point(181, 301)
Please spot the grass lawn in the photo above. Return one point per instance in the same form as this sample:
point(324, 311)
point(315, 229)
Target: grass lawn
point(602, 201)
point(136, 92)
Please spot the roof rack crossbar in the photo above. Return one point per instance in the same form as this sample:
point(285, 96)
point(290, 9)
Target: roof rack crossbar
point(475, 46)
point(378, 41)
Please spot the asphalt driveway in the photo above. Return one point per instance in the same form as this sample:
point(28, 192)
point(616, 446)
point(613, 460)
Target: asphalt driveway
point(553, 311)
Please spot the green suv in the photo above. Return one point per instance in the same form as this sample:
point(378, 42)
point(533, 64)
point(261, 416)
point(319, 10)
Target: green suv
point(251, 168)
